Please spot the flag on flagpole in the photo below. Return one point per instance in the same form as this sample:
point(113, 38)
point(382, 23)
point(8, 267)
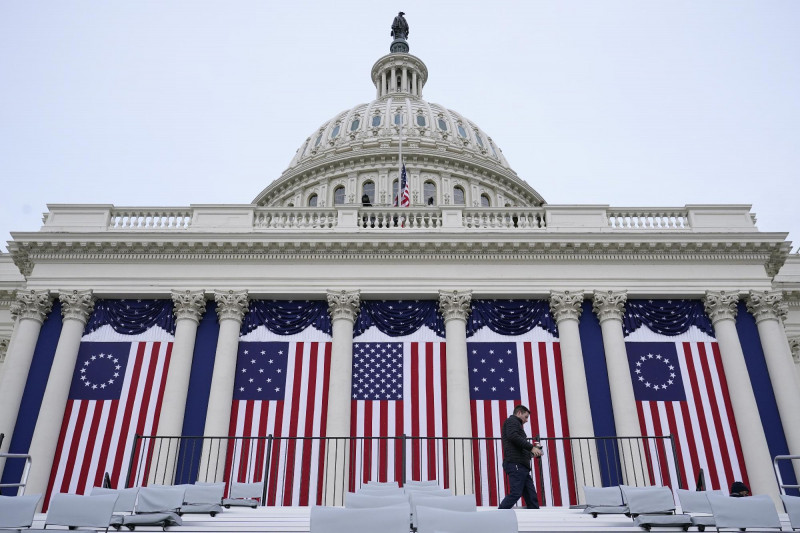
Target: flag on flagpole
point(406, 198)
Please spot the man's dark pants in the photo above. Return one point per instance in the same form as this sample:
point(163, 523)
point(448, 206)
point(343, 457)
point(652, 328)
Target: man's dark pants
point(520, 484)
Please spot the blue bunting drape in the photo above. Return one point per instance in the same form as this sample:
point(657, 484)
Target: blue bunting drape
point(287, 317)
point(668, 317)
point(398, 318)
point(511, 317)
point(132, 317)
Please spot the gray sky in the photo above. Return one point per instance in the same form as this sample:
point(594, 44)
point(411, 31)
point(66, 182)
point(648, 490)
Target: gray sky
point(628, 102)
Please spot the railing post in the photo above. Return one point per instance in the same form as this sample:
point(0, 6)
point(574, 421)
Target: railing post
point(677, 465)
point(265, 477)
point(403, 460)
point(136, 438)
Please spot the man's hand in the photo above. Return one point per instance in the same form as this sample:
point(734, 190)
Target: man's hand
point(537, 451)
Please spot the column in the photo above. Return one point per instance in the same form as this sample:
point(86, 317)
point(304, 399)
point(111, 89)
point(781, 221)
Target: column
point(392, 82)
point(414, 89)
point(455, 308)
point(343, 307)
point(404, 80)
point(383, 84)
point(566, 309)
point(231, 307)
point(189, 307)
point(770, 311)
point(28, 311)
point(609, 306)
point(76, 307)
point(721, 309)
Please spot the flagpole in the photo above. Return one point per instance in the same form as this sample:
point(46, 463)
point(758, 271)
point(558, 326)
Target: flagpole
point(399, 164)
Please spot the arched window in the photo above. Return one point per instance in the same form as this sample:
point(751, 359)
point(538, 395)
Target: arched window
point(368, 190)
point(338, 195)
point(485, 202)
point(421, 122)
point(335, 132)
point(312, 200)
point(429, 193)
point(478, 138)
point(458, 196)
point(398, 119)
point(442, 124)
point(355, 124)
point(376, 121)
point(461, 131)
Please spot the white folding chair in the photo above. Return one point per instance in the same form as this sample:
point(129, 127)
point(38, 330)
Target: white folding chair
point(359, 500)
point(653, 507)
point(754, 512)
point(695, 503)
point(76, 511)
point(203, 499)
point(604, 500)
point(464, 503)
point(432, 520)
point(340, 520)
point(18, 511)
point(792, 506)
point(244, 495)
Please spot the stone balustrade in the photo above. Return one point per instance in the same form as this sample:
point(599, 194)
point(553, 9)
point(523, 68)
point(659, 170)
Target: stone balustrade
point(355, 218)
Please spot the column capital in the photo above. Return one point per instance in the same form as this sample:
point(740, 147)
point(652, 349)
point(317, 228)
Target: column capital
point(76, 305)
point(344, 305)
point(721, 305)
point(31, 304)
point(4, 342)
point(609, 305)
point(566, 305)
point(767, 305)
point(794, 345)
point(231, 305)
point(189, 304)
point(455, 305)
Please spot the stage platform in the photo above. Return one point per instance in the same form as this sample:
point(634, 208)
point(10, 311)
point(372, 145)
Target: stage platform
point(296, 520)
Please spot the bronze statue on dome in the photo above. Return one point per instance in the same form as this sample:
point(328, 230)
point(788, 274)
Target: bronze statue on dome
point(399, 27)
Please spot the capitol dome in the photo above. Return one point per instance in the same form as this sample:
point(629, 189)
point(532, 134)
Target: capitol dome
point(449, 159)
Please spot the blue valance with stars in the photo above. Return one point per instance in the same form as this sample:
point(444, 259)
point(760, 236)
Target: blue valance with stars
point(511, 317)
point(668, 317)
point(287, 317)
point(132, 317)
point(398, 318)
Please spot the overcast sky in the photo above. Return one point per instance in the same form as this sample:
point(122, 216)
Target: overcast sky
point(628, 103)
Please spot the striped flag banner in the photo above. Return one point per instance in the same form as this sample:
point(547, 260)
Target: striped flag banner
point(399, 388)
point(680, 389)
point(504, 372)
point(116, 393)
point(281, 389)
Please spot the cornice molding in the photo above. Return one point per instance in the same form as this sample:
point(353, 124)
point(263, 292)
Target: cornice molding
point(32, 305)
point(231, 305)
point(767, 305)
point(344, 305)
point(721, 305)
point(455, 305)
point(566, 305)
point(609, 305)
point(189, 304)
point(76, 305)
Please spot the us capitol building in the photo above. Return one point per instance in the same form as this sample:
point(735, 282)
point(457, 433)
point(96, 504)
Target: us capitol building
point(327, 232)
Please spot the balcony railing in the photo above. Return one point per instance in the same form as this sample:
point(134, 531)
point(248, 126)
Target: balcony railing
point(319, 470)
point(437, 219)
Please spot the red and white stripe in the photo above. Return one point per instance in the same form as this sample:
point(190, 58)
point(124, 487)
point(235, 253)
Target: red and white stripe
point(703, 426)
point(542, 391)
point(97, 435)
point(420, 414)
point(296, 467)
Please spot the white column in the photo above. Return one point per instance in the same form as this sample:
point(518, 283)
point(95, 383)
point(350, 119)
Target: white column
point(566, 309)
point(343, 307)
point(392, 81)
point(414, 89)
point(455, 308)
point(404, 81)
point(189, 307)
point(383, 84)
point(76, 307)
point(231, 307)
point(770, 310)
point(721, 309)
point(28, 311)
point(610, 307)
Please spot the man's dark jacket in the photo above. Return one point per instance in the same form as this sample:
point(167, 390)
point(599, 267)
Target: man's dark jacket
point(516, 447)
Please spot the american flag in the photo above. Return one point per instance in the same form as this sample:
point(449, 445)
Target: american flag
point(281, 390)
point(503, 374)
point(405, 195)
point(680, 390)
point(398, 388)
point(116, 393)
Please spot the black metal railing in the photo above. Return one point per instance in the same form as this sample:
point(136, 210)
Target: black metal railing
point(319, 470)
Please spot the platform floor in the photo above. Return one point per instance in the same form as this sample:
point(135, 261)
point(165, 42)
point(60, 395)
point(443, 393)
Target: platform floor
point(296, 519)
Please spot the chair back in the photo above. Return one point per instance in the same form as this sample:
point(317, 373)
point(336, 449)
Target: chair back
point(359, 500)
point(18, 511)
point(247, 490)
point(386, 491)
point(126, 498)
point(748, 512)
point(693, 501)
point(792, 506)
point(75, 510)
point(432, 520)
point(204, 494)
point(431, 491)
point(339, 520)
point(423, 483)
point(464, 503)
point(648, 500)
point(382, 484)
point(160, 499)
point(602, 496)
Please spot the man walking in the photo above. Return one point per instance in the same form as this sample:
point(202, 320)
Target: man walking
point(517, 454)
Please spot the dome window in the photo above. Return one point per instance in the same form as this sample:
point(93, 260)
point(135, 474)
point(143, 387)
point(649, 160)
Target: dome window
point(319, 138)
point(355, 124)
point(442, 124)
point(491, 145)
point(376, 121)
point(480, 141)
point(485, 202)
point(458, 196)
point(312, 200)
point(335, 132)
point(421, 122)
point(462, 132)
point(338, 195)
point(398, 119)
